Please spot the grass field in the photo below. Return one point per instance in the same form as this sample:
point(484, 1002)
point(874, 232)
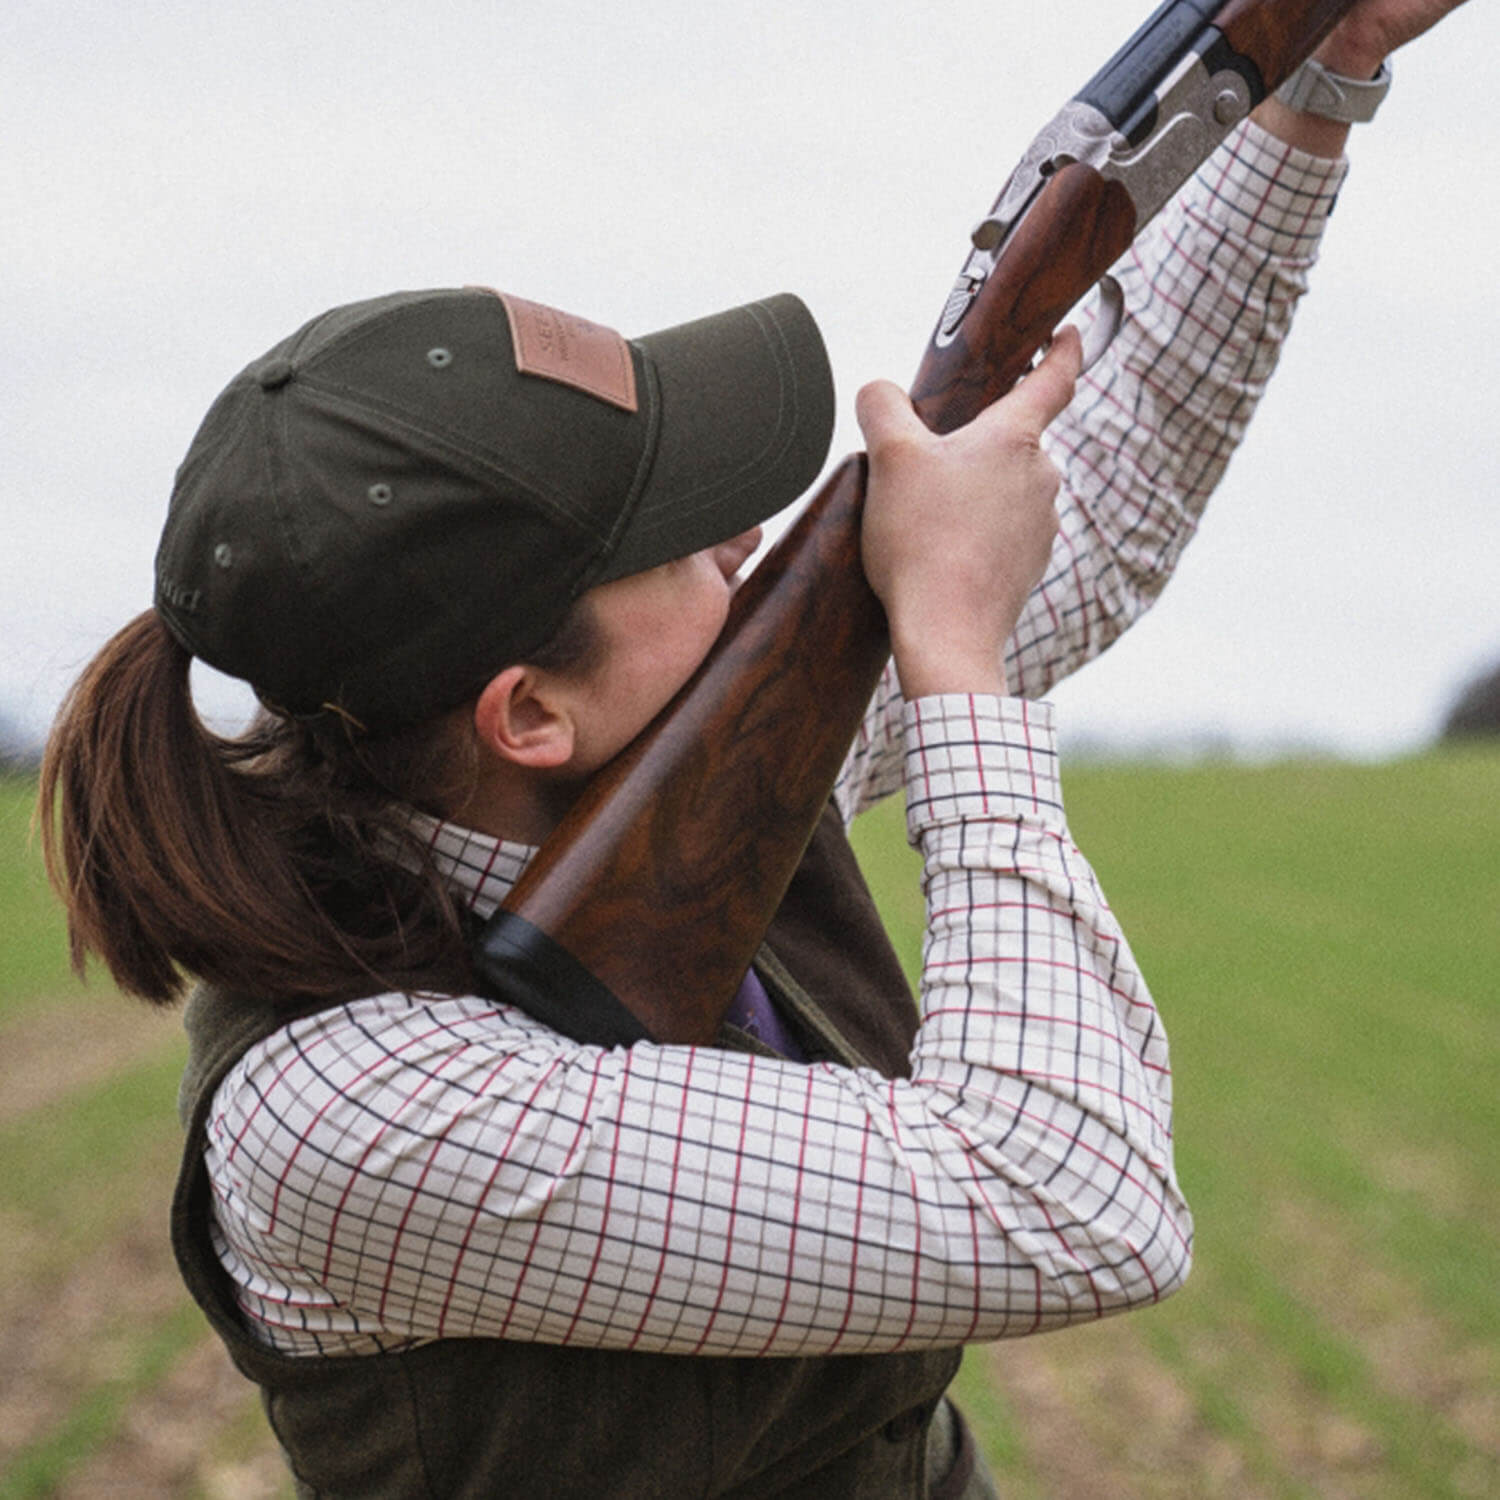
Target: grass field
point(1325, 943)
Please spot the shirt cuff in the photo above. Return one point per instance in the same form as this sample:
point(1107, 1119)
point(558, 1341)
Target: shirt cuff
point(1275, 196)
point(977, 756)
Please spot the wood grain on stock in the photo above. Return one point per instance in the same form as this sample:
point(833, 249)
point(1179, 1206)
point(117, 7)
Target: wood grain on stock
point(664, 876)
point(1278, 36)
point(1079, 227)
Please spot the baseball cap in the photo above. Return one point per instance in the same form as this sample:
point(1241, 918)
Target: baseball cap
point(410, 492)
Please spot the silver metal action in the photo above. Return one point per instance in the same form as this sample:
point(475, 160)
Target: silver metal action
point(1195, 110)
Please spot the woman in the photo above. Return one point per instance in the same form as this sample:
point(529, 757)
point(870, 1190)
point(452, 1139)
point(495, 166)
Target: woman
point(464, 548)
point(364, 545)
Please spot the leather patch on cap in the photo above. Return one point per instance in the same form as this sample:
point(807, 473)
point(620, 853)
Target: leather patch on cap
point(557, 346)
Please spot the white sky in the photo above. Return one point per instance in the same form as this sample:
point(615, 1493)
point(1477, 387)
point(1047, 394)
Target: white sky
point(185, 183)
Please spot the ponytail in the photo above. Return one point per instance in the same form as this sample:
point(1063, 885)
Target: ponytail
point(261, 863)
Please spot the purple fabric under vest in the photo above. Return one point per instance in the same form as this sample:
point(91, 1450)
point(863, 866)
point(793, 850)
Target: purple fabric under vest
point(752, 1011)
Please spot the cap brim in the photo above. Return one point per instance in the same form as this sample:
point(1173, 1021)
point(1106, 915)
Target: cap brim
point(745, 412)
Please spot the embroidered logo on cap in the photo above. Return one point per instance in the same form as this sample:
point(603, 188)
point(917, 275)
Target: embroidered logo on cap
point(557, 346)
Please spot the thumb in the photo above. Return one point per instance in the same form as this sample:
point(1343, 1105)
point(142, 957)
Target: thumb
point(1046, 391)
point(885, 413)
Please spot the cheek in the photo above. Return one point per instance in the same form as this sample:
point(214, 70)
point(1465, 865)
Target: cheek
point(658, 630)
point(672, 644)
point(673, 630)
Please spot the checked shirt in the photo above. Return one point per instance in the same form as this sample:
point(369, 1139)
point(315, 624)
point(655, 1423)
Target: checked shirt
point(408, 1167)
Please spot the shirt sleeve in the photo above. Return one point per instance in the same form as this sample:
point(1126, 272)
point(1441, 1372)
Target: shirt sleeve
point(1210, 289)
point(405, 1169)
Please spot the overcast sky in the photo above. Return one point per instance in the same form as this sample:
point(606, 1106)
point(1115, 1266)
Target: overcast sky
point(185, 183)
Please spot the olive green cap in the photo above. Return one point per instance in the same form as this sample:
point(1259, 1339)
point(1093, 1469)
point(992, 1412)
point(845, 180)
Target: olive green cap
point(409, 493)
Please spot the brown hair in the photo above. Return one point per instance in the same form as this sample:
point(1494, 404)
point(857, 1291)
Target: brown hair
point(279, 861)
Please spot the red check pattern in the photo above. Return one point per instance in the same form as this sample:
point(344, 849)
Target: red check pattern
point(420, 1167)
point(1210, 290)
point(408, 1167)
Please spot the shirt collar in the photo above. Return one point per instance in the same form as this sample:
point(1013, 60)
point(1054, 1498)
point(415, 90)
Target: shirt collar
point(479, 869)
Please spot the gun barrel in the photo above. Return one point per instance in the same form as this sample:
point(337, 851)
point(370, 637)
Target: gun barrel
point(1131, 77)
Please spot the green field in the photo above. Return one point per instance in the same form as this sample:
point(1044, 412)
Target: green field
point(1324, 941)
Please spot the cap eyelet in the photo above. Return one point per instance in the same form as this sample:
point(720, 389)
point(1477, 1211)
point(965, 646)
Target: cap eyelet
point(224, 555)
point(275, 374)
point(380, 494)
point(440, 359)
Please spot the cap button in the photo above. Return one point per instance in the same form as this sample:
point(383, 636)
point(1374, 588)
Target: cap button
point(274, 373)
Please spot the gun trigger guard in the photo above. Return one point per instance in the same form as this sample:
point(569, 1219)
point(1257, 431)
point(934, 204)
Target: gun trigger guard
point(1106, 325)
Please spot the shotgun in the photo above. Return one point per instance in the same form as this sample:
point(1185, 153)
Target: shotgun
point(693, 833)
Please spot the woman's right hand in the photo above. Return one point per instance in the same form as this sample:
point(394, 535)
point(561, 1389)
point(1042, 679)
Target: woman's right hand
point(958, 528)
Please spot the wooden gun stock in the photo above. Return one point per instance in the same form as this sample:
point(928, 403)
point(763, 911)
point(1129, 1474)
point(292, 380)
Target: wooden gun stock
point(642, 912)
point(664, 876)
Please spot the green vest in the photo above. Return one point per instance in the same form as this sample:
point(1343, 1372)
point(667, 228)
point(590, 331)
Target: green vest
point(462, 1418)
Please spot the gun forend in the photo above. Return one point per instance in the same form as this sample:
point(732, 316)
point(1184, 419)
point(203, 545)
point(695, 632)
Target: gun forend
point(1140, 126)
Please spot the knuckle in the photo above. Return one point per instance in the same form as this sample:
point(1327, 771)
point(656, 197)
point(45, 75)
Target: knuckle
point(894, 447)
point(1027, 443)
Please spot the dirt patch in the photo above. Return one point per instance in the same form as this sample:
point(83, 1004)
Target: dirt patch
point(69, 1332)
point(1448, 1183)
point(198, 1433)
point(65, 1341)
point(1239, 1412)
point(48, 1053)
point(1413, 1354)
point(1099, 1414)
point(1303, 1432)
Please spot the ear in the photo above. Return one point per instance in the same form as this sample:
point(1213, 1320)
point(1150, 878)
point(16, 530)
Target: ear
point(521, 718)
